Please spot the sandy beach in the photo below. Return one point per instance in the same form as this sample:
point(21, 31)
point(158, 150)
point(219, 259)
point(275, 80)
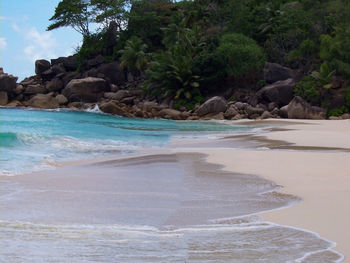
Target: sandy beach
point(320, 177)
point(190, 197)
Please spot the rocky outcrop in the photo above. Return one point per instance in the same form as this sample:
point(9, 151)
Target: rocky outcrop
point(8, 83)
point(35, 89)
point(54, 85)
point(85, 90)
point(212, 106)
point(280, 92)
point(112, 108)
point(299, 109)
point(3, 98)
point(43, 101)
point(170, 114)
point(275, 72)
point(112, 73)
point(41, 66)
point(69, 63)
point(61, 99)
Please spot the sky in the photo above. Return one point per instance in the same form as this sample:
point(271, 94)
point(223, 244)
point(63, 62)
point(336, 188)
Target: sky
point(24, 39)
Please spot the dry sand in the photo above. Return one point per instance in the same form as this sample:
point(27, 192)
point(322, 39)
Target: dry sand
point(320, 178)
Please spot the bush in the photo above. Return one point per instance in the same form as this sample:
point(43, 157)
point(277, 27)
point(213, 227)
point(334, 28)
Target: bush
point(240, 54)
point(338, 112)
point(336, 50)
point(347, 97)
point(170, 75)
point(308, 90)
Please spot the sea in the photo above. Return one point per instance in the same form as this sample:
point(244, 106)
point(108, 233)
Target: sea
point(161, 207)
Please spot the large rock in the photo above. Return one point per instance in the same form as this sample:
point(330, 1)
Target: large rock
point(280, 92)
point(170, 114)
point(43, 101)
point(212, 106)
point(85, 90)
point(54, 85)
point(8, 83)
point(3, 98)
point(61, 99)
point(119, 95)
point(94, 62)
point(112, 108)
point(112, 72)
point(300, 109)
point(35, 89)
point(231, 112)
point(275, 72)
point(69, 63)
point(41, 66)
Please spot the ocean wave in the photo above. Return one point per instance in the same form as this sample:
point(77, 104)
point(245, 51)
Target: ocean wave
point(8, 139)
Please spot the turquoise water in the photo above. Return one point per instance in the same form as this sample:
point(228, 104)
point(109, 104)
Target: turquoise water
point(33, 140)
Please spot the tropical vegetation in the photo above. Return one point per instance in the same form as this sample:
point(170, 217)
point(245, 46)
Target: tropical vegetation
point(187, 50)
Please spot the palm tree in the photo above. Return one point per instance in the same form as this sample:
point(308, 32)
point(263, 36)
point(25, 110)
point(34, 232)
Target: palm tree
point(134, 56)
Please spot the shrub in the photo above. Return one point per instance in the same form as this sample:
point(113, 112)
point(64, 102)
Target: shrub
point(240, 54)
point(134, 56)
point(170, 75)
point(307, 89)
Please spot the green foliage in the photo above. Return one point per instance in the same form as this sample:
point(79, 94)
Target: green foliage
point(74, 13)
point(323, 77)
point(347, 98)
point(338, 112)
point(145, 20)
point(134, 56)
point(336, 50)
point(92, 46)
point(212, 71)
point(240, 54)
point(170, 75)
point(308, 90)
point(106, 11)
point(201, 47)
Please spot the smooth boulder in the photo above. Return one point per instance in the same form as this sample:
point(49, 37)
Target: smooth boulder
point(54, 85)
point(280, 92)
point(61, 99)
point(300, 109)
point(43, 101)
point(41, 66)
point(85, 90)
point(112, 108)
point(8, 83)
point(212, 106)
point(69, 63)
point(275, 72)
point(170, 114)
point(112, 72)
point(3, 98)
point(35, 89)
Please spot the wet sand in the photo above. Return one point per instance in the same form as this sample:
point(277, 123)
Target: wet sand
point(315, 167)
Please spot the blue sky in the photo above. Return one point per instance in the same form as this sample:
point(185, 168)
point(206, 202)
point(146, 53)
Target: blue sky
point(24, 39)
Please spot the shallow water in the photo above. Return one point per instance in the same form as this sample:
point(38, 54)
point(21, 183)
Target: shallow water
point(157, 208)
point(34, 140)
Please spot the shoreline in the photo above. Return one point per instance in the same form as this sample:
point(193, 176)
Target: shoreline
point(306, 174)
point(303, 176)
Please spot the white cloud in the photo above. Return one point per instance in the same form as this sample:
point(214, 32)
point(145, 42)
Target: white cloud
point(3, 43)
point(38, 45)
